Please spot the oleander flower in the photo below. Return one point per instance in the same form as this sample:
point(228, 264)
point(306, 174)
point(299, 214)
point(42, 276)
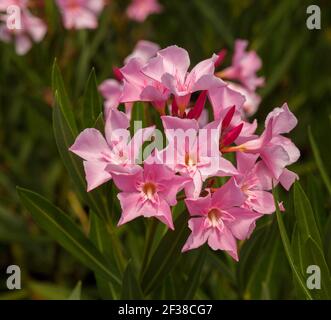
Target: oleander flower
point(115, 152)
point(244, 67)
point(194, 152)
point(139, 10)
point(80, 14)
point(219, 219)
point(32, 29)
point(170, 68)
point(148, 192)
point(275, 150)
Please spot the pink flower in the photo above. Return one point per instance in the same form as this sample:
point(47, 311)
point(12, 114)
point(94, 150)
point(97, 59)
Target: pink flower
point(218, 219)
point(139, 10)
point(254, 181)
point(222, 98)
point(275, 150)
point(80, 14)
point(112, 90)
point(252, 100)
point(114, 153)
point(5, 4)
point(193, 153)
point(139, 87)
point(244, 67)
point(148, 192)
point(170, 67)
point(32, 29)
point(144, 50)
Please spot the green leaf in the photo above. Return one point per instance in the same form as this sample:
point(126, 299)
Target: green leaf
point(305, 216)
point(319, 161)
point(76, 293)
point(63, 229)
point(92, 102)
point(63, 99)
point(166, 255)
point(288, 251)
point(64, 139)
point(101, 237)
point(193, 280)
point(131, 289)
point(314, 256)
point(214, 18)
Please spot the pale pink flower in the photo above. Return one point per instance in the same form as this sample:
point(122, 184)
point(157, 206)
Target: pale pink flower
point(139, 10)
point(222, 98)
point(139, 87)
point(275, 150)
point(144, 50)
point(193, 152)
point(80, 14)
point(254, 181)
point(148, 192)
point(252, 99)
point(113, 153)
point(170, 67)
point(32, 30)
point(219, 219)
point(5, 4)
point(244, 67)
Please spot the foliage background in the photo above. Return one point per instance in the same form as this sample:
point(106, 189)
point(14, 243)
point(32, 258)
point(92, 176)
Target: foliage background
point(297, 67)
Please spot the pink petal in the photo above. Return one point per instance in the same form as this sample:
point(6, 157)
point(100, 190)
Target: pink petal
point(223, 240)
point(116, 126)
point(125, 181)
point(244, 223)
point(143, 50)
point(198, 235)
point(287, 178)
point(283, 120)
point(90, 145)
point(199, 206)
point(223, 97)
point(95, 174)
point(176, 61)
point(227, 196)
point(245, 161)
point(263, 202)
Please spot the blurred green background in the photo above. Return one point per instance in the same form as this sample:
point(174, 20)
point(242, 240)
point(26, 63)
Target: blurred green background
point(297, 67)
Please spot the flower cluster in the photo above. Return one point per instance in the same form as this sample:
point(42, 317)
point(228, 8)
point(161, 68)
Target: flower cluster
point(24, 28)
point(215, 162)
point(76, 14)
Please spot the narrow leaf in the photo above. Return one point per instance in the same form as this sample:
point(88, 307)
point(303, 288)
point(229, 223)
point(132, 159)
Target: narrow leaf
point(131, 289)
point(92, 102)
point(166, 255)
point(319, 161)
point(76, 293)
point(288, 251)
point(63, 229)
point(305, 216)
point(193, 280)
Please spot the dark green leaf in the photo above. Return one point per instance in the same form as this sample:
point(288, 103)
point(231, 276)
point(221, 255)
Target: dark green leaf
point(131, 289)
point(319, 161)
point(193, 280)
point(76, 293)
point(305, 216)
point(62, 229)
point(288, 251)
point(166, 255)
point(92, 102)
